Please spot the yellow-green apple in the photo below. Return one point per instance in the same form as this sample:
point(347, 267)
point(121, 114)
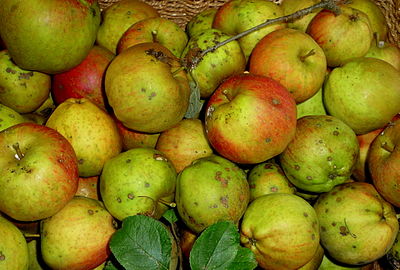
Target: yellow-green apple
point(49, 36)
point(135, 139)
point(91, 131)
point(14, 253)
point(217, 65)
point(153, 94)
point(88, 187)
point(41, 114)
point(138, 181)
point(156, 29)
point(184, 143)
point(292, 58)
point(21, 90)
point(312, 106)
point(186, 241)
point(35, 259)
point(343, 36)
point(376, 17)
point(291, 6)
point(321, 155)
point(384, 163)
point(385, 51)
point(282, 230)
point(316, 260)
point(364, 93)
point(9, 117)
point(329, 263)
point(39, 172)
point(201, 21)
point(250, 118)
point(236, 16)
point(118, 17)
point(266, 178)
point(77, 237)
point(85, 80)
point(357, 225)
point(209, 190)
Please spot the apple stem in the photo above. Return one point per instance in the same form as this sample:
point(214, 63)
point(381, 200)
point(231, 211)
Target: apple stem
point(304, 57)
point(170, 204)
point(19, 155)
point(324, 4)
point(31, 235)
point(379, 43)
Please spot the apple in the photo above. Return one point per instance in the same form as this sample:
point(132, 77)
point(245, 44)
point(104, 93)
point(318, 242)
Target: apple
point(184, 143)
point(91, 131)
point(151, 95)
point(201, 21)
point(343, 36)
point(157, 29)
point(49, 36)
point(250, 118)
point(85, 80)
point(292, 58)
point(321, 155)
point(236, 16)
point(9, 117)
point(364, 93)
point(118, 17)
point(384, 163)
point(77, 237)
point(312, 106)
point(21, 90)
point(138, 181)
point(14, 253)
point(291, 6)
point(215, 66)
point(40, 167)
point(88, 187)
point(385, 51)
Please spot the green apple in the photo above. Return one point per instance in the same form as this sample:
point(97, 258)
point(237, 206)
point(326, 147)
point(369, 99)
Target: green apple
point(312, 106)
point(291, 6)
point(364, 93)
point(385, 51)
point(49, 36)
point(118, 17)
point(138, 181)
point(201, 21)
point(9, 117)
point(77, 237)
point(39, 173)
point(91, 131)
point(14, 253)
point(22, 90)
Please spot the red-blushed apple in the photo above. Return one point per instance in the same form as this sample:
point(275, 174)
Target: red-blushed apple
point(88, 187)
point(77, 237)
point(118, 17)
point(85, 80)
point(91, 131)
point(236, 16)
point(343, 36)
point(135, 139)
point(201, 21)
point(39, 172)
point(385, 51)
point(157, 29)
point(150, 95)
point(384, 163)
point(250, 118)
point(184, 143)
point(292, 58)
point(291, 6)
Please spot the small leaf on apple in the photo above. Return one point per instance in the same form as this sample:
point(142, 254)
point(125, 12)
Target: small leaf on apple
point(195, 104)
point(170, 216)
point(218, 248)
point(142, 243)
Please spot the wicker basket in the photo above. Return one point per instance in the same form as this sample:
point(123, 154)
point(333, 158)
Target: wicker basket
point(181, 11)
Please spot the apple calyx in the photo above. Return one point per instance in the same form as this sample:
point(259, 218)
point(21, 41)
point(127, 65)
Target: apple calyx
point(354, 17)
point(18, 155)
point(304, 57)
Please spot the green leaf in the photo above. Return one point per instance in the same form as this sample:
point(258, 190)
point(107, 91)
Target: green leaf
point(110, 265)
point(142, 243)
point(170, 216)
point(244, 260)
point(195, 103)
point(216, 247)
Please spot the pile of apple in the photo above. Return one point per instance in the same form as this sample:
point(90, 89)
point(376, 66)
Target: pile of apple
point(291, 132)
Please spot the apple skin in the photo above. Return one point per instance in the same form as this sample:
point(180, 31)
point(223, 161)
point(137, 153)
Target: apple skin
point(49, 36)
point(88, 187)
point(385, 51)
point(292, 58)
point(153, 94)
point(291, 6)
point(384, 163)
point(237, 16)
point(46, 177)
point(117, 18)
point(312, 106)
point(85, 80)
point(342, 37)
point(250, 118)
point(364, 93)
point(9, 117)
point(201, 21)
point(157, 29)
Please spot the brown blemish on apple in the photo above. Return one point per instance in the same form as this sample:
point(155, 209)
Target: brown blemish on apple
point(268, 140)
point(338, 199)
point(336, 133)
point(333, 224)
point(128, 161)
point(119, 200)
point(90, 212)
point(10, 70)
point(2, 257)
point(276, 101)
point(213, 206)
point(153, 94)
point(305, 214)
point(146, 185)
point(81, 160)
point(224, 201)
point(313, 236)
point(296, 167)
point(25, 76)
point(309, 177)
point(131, 196)
point(274, 189)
